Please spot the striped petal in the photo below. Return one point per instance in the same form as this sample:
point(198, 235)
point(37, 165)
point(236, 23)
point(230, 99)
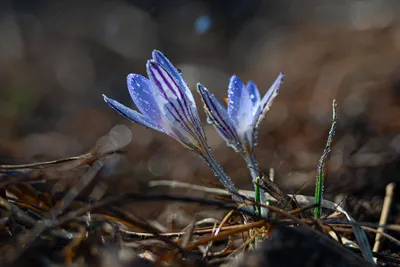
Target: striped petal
point(141, 92)
point(218, 116)
point(161, 59)
point(165, 84)
point(269, 97)
point(170, 89)
point(179, 129)
point(174, 103)
point(265, 105)
point(132, 114)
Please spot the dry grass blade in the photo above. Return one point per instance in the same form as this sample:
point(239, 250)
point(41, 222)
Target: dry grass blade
point(384, 215)
point(12, 255)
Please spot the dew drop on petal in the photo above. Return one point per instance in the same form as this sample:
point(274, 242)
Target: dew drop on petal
point(252, 96)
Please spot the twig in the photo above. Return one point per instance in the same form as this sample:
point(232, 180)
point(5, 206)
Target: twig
point(41, 226)
point(301, 199)
point(384, 215)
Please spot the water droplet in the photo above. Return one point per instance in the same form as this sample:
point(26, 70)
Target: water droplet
point(252, 96)
point(179, 71)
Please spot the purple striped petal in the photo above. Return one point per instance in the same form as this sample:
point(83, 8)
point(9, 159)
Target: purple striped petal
point(132, 114)
point(164, 82)
point(184, 92)
point(265, 105)
point(141, 92)
point(161, 59)
point(169, 89)
point(177, 109)
point(218, 116)
point(179, 129)
point(269, 97)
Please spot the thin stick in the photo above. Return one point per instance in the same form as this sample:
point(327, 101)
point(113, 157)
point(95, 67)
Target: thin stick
point(301, 199)
point(384, 215)
point(272, 174)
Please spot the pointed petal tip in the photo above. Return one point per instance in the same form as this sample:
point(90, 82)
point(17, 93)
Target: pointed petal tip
point(158, 56)
point(105, 98)
point(235, 82)
point(111, 102)
point(151, 63)
point(131, 77)
point(201, 88)
point(250, 83)
point(156, 53)
point(234, 77)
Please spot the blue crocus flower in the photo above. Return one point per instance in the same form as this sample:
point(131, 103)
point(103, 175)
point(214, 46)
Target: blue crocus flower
point(166, 105)
point(238, 124)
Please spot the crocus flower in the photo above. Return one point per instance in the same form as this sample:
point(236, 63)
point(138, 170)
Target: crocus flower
point(166, 105)
point(238, 124)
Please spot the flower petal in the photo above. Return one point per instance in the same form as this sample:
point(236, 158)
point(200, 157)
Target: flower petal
point(240, 105)
point(253, 93)
point(177, 108)
point(132, 115)
point(184, 92)
point(164, 82)
point(235, 89)
point(178, 129)
point(142, 94)
point(269, 97)
point(161, 59)
point(218, 116)
point(170, 89)
point(265, 105)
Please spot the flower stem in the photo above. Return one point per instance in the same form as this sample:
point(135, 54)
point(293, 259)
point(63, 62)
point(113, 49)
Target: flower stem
point(260, 195)
point(208, 157)
point(319, 184)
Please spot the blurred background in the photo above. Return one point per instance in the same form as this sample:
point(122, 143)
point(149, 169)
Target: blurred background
point(58, 57)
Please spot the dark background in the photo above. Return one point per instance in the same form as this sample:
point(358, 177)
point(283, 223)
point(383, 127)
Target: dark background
point(58, 57)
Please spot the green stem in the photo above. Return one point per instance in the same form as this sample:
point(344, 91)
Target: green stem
point(257, 196)
point(260, 196)
point(319, 184)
